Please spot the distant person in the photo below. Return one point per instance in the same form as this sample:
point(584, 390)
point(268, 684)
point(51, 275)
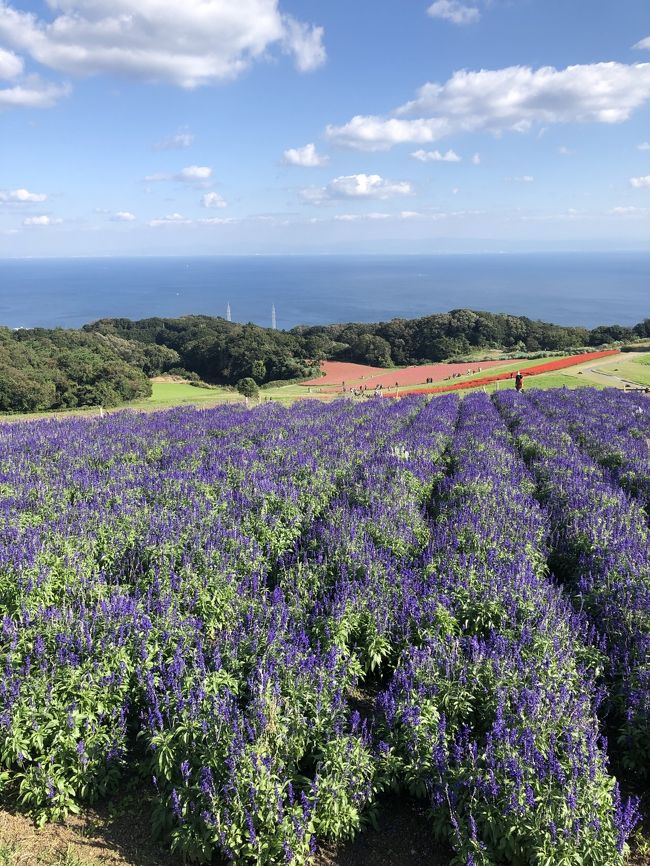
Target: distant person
point(519, 381)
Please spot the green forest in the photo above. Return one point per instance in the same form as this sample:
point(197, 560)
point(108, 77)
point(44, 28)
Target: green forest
point(110, 361)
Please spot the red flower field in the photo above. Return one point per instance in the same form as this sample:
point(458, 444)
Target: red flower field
point(337, 372)
point(548, 367)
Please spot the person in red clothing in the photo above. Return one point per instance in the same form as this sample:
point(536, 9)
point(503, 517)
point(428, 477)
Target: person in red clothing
point(519, 381)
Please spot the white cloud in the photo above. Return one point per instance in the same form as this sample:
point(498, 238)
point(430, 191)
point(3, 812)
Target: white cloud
point(216, 221)
point(378, 133)
point(454, 11)
point(175, 219)
point(356, 217)
point(123, 216)
point(11, 66)
point(26, 91)
point(631, 211)
point(644, 146)
point(193, 173)
point(644, 43)
point(32, 93)
point(187, 43)
point(432, 216)
point(357, 186)
point(436, 156)
point(306, 157)
point(179, 141)
point(213, 199)
point(640, 182)
point(41, 221)
point(21, 196)
point(565, 151)
point(305, 42)
point(511, 99)
point(523, 178)
point(476, 159)
point(196, 174)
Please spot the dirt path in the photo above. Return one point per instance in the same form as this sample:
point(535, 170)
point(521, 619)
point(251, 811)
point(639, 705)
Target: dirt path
point(595, 372)
point(118, 835)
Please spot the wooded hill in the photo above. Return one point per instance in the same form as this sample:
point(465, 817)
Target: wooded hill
point(108, 362)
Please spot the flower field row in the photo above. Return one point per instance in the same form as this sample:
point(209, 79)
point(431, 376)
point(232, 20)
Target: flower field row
point(547, 367)
point(273, 616)
point(601, 550)
point(614, 431)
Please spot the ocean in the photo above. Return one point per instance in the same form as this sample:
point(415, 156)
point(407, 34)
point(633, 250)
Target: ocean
point(566, 288)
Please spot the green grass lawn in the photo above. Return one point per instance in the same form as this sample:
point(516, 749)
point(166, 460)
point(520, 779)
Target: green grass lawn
point(164, 395)
point(544, 380)
point(167, 394)
point(509, 367)
point(637, 371)
point(563, 379)
point(290, 393)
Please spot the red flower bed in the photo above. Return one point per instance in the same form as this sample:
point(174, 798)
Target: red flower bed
point(337, 372)
point(418, 375)
point(548, 367)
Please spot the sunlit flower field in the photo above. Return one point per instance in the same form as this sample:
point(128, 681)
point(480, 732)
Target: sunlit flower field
point(275, 616)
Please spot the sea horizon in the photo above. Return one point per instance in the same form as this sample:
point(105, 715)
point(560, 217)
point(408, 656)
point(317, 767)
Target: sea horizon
point(568, 288)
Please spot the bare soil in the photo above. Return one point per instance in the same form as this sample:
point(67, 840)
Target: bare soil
point(118, 835)
point(403, 839)
point(167, 378)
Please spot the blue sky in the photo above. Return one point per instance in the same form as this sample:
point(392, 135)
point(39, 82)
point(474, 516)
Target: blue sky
point(144, 127)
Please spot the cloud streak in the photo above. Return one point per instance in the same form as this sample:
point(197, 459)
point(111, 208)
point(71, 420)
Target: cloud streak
point(42, 220)
point(21, 196)
point(194, 174)
point(515, 99)
point(181, 140)
point(32, 92)
point(436, 156)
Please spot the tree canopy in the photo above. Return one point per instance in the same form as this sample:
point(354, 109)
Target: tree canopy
point(109, 361)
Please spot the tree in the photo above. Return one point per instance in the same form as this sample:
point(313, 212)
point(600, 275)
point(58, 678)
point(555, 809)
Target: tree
point(19, 392)
point(248, 387)
point(258, 371)
point(610, 334)
point(643, 328)
point(369, 349)
point(448, 347)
